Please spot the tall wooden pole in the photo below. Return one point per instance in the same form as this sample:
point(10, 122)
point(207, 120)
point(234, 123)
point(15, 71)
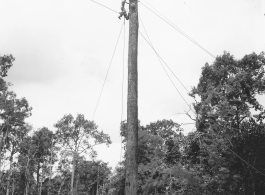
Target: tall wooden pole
point(132, 103)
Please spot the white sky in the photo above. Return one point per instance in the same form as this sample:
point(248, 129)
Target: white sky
point(63, 49)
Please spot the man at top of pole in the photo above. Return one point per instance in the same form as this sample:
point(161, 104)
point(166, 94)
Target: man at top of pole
point(123, 10)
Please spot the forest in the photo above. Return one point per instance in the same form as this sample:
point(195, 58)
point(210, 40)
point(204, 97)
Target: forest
point(223, 155)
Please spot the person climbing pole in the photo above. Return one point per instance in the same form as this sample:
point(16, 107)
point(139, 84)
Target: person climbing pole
point(123, 10)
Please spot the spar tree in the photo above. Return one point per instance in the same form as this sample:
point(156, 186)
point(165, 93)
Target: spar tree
point(78, 136)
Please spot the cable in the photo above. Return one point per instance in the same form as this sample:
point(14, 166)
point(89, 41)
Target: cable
point(246, 162)
point(160, 58)
point(238, 155)
point(107, 72)
point(186, 101)
point(165, 70)
point(105, 6)
point(122, 86)
point(214, 134)
point(123, 72)
point(179, 30)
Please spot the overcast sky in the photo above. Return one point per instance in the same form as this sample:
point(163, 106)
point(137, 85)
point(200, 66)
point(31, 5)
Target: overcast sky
point(63, 49)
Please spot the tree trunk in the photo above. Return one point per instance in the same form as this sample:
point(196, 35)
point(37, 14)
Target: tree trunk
point(97, 179)
point(76, 184)
point(132, 104)
point(27, 189)
point(41, 183)
point(10, 172)
point(38, 175)
point(40, 188)
point(1, 143)
point(13, 186)
point(50, 170)
point(2, 140)
point(73, 175)
point(26, 172)
point(61, 186)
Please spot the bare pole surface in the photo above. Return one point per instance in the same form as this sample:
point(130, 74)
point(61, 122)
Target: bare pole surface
point(132, 103)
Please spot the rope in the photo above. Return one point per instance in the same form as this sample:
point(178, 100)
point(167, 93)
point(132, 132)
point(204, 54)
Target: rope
point(105, 6)
point(123, 72)
point(165, 70)
point(160, 58)
point(214, 134)
point(107, 72)
point(179, 30)
point(150, 43)
point(246, 162)
point(122, 86)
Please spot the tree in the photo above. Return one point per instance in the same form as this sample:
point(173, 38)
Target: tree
point(13, 111)
point(92, 177)
point(79, 136)
point(27, 166)
point(16, 137)
point(5, 63)
point(43, 139)
point(230, 125)
point(117, 180)
point(159, 158)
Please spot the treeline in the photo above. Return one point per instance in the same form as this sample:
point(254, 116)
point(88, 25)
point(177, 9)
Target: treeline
point(223, 155)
